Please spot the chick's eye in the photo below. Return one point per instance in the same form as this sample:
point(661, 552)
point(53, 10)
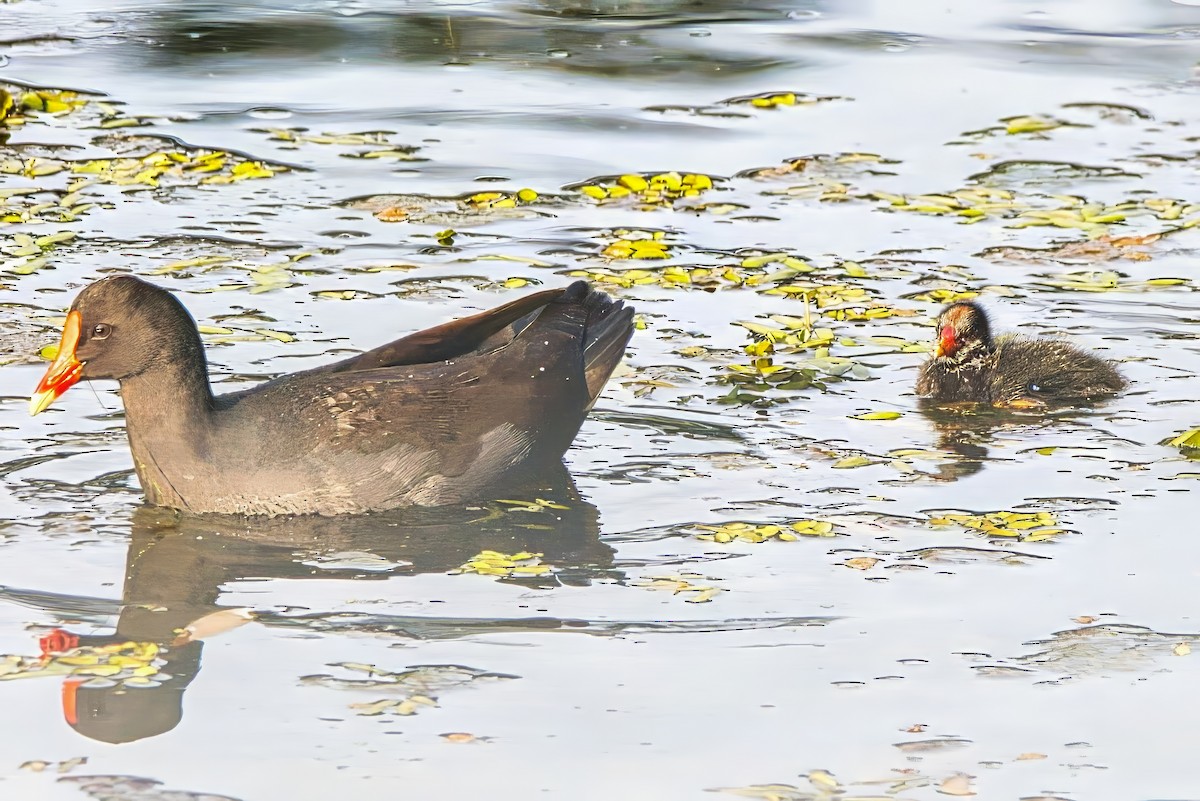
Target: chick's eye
point(101, 331)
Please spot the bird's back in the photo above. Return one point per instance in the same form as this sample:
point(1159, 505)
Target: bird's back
point(354, 437)
point(1050, 371)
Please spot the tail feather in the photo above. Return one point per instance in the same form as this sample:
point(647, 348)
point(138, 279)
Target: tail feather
point(603, 327)
point(609, 329)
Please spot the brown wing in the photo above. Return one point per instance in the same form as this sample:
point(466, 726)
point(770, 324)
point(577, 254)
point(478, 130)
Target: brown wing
point(447, 413)
point(450, 340)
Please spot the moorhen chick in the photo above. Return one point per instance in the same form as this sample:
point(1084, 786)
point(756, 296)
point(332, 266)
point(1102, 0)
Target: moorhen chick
point(439, 417)
point(1012, 371)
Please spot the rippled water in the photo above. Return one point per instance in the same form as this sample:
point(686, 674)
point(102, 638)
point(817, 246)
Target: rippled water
point(1044, 656)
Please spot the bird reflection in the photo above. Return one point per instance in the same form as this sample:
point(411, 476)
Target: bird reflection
point(964, 431)
point(962, 434)
point(176, 567)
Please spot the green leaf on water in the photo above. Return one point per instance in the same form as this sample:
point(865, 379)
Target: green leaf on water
point(1030, 124)
point(849, 462)
point(272, 334)
point(1187, 440)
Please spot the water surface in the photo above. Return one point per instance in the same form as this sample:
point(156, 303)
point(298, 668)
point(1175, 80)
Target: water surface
point(887, 166)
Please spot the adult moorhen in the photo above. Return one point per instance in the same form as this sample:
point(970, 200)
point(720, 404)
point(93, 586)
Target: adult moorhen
point(438, 417)
point(1012, 371)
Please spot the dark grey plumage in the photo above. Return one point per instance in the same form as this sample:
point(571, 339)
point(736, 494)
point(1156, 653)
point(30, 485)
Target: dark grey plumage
point(968, 365)
point(442, 416)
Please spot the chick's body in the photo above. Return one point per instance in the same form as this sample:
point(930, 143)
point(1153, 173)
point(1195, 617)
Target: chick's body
point(968, 365)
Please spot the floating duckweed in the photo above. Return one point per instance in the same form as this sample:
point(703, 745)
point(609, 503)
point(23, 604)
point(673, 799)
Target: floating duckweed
point(791, 332)
point(659, 190)
point(971, 205)
point(380, 141)
point(1035, 125)
point(31, 168)
point(777, 99)
point(28, 105)
point(256, 278)
point(634, 183)
point(824, 294)
point(460, 210)
point(763, 100)
point(536, 505)
point(743, 532)
point(28, 253)
point(813, 528)
point(1106, 281)
point(759, 367)
point(241, 171)
point(180, 167)
point(637, 249)
point(50, 101)
point(394, 214)
point(54, 102)
point(277, 336)
point(866, 314)
point(299, 135)
point(1188, 441)
point(825, 190)
point(342, 294)
point(1085, 217)
point(862, 158)
point(399, 154)
point(752, 533)
point(393, 706)
point(944, 295)
point(876, 416)
point(1056, 211)
point(771, 101)
point(682, 584)
point(637, 244)
point(1031, 124)
point(494, 563)
point(786, 259)
point(709, 278)
point(63, 656)
point(408, 691)
point(500, 200)
point(763, 375)
point(898, 344)
point(1022, 526)
point(851, 462)
point(628, 278)
point(824, 164)
point(1166, 208)
point(200, 262)
point(221, 335)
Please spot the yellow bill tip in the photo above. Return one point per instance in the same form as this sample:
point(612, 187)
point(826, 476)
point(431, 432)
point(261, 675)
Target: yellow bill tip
point(40, 401)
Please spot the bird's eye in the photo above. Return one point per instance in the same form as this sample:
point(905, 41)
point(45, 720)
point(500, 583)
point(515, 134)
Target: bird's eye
point(101, 331)
point(1034, 388)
